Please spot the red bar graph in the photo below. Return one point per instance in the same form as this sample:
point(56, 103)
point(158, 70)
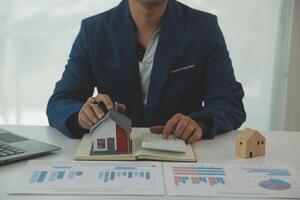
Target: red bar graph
point(212, 180)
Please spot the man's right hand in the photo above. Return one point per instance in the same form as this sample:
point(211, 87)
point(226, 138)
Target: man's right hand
point(90, 112)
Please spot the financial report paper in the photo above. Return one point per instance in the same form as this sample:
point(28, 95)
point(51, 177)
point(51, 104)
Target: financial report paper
point(264, 181)
point(79, 177)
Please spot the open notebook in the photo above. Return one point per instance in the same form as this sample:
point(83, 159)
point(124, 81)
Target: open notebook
point(84, 152)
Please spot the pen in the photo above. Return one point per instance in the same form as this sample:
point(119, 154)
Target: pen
point(103, 107)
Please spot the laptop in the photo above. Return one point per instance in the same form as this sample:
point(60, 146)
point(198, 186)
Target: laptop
point(14, 147)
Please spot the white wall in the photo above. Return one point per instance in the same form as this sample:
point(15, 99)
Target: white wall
point(36, 37)
point(292, 121)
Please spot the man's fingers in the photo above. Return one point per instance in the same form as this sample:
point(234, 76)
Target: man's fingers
point(84, 121)
point(91, 100)
point(181, 126)
point(106, 100)
point(83, 124)
point(90, 113)
point(157, 129)
point(188, 132)
point(171, 125)
point(197, 134)
point(97, 110)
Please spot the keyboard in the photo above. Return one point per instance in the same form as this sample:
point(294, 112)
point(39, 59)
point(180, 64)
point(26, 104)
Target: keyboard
point(8, 150)
point(156, 142)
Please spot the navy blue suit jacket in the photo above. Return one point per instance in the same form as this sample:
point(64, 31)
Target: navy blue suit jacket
point(104, 55)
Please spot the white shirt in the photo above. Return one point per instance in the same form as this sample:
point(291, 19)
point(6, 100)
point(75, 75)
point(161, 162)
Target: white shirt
point(146, 65)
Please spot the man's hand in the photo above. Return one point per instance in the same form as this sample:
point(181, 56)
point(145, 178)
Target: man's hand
point(182, 127)
point(90, 112)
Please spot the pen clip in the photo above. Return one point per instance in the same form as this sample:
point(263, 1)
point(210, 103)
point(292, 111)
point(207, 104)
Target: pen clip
point(102, 106)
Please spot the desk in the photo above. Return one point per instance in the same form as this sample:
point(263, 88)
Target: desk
point(282, 149)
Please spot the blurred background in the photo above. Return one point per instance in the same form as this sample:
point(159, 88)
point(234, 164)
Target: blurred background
point(262, 38)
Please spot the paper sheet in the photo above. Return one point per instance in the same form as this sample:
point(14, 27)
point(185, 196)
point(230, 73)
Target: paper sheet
point(75, 177)
point(183, 179)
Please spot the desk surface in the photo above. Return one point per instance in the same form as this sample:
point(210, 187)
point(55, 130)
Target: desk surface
point(282, 149)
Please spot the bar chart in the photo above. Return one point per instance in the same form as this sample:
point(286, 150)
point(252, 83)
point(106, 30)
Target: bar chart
point(116, 177)
point(198, 175)
point(135, 177)
point(51, 176)
point(152, 178)
point(199, 180)
point(268, 171)
point(129, 174)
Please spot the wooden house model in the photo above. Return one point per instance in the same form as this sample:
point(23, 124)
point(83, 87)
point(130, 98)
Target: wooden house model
point(250, 143)
point(111, 134)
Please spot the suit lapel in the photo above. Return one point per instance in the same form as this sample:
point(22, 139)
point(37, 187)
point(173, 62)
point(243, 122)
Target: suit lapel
point(165, 54)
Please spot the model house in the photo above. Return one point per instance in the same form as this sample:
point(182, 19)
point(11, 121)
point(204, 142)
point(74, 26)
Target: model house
point(250, 143)
point(112, 133)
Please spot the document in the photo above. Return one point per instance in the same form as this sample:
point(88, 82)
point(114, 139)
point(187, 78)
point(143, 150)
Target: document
point(93, 177)
point(195, 179)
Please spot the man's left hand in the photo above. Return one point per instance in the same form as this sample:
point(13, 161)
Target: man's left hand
point(181, 126)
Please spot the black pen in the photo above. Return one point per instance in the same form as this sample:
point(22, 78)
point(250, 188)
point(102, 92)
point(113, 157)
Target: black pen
point(103, 107)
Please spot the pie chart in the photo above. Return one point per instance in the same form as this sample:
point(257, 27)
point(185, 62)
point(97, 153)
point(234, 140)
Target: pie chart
point(275, 184)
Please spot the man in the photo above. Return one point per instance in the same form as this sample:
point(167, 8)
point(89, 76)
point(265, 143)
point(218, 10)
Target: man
point(167, 64)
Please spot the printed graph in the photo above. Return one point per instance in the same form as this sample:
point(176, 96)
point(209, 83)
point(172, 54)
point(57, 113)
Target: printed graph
point(51, 176)
point(124, 173)
point(199, 175)
point(83, 177)
point(199, 180)
point(275, 184)
point(268, 171)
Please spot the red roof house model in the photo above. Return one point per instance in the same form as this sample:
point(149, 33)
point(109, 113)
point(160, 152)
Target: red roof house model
point(112, 133)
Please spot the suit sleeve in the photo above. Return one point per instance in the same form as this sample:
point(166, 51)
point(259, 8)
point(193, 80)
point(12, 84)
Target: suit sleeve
point(73, 89)
point(223, 107)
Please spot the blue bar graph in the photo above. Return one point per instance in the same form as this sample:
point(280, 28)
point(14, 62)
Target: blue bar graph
point(34, 176)
point(183, 179)
point(220, 180)
point(79, 173)
point(141, 174)
point(51, 176)
point(202, 179)
point(112, 175)
point(147, 175)
point(106, 176)
point(60, 175)
point(42, 176)
point(269, 171)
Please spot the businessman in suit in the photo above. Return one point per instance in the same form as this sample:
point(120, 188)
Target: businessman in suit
point(165, 63)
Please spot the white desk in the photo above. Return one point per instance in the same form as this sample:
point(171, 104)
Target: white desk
point(282, 149)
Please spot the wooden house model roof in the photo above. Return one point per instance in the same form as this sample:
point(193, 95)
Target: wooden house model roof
point(247, 133)
point(122, 120)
